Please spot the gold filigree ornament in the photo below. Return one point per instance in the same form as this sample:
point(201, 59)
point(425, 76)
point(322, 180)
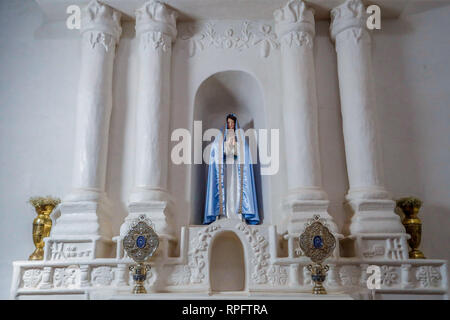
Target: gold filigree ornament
point(317, 243)
point(140, 243)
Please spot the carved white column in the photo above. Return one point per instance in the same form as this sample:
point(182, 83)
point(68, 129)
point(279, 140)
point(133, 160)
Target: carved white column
point(155, 30)
point(295, 28)
point(84, 275)
point(374, 211)
point(46, 282)
point(332, 276)
point(121, 275)
point(84, 212)
point(358, 107)
point(406, 276)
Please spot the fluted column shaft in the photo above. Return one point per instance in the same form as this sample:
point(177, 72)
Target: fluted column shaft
point(85, 223)
point(373, 210)
point(358, 103)
point(100, 33)
point(296, 29)
point(155, 29)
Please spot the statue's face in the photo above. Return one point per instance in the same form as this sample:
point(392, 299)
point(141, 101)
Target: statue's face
point(230, 123)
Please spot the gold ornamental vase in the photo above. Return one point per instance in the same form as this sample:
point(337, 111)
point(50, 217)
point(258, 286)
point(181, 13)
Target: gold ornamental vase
point(410, 207)
point(139, 277)
point(318, 275)
point(42, 224)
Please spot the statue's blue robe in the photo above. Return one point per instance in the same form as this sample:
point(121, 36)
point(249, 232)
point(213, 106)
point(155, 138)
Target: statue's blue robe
point(215, 189)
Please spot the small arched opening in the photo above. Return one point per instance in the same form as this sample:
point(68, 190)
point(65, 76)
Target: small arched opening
point(227, 263)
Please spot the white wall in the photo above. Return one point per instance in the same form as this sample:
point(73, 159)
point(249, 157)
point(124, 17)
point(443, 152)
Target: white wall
point(36, 124)
point(38, 84)
point(412, 71)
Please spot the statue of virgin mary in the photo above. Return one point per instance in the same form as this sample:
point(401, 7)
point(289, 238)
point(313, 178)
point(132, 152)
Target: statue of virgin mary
point(230, 191)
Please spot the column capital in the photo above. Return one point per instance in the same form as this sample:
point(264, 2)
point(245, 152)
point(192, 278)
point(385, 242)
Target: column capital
point(350, 14)
point(155, 16)
point(99, 17)
point(295, 22)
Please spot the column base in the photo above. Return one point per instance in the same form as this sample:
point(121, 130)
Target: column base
point(85, 195)
point(155, 204)
point(73, 247)
point(377, 193)
point(374, 216)
point(144, 195)
point(157, 211)
point(307, 193)
point(377, 230)
point(299, 212)
point(165, 249)
point(385, 246)
point(83, 229)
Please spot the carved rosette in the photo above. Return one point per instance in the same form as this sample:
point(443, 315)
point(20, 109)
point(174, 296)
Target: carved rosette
point(350, 19)
point(389, 276)
point(295, 25)
point(66, 277)
point(156, 26)
point(102, 276)
point(31, 278)
point(428, 276)
point(100, 25)
point(277, 275)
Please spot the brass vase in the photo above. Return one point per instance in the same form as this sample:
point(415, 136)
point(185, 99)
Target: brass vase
point(318, 275)
point(42, 224)
point(139, 277)
point(413, 225)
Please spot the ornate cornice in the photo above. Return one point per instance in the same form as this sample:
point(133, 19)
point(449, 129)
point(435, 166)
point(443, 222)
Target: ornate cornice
point(196, 37)
point(100, 18)
point(155, 16)
point(295, 23)
point(350, 14)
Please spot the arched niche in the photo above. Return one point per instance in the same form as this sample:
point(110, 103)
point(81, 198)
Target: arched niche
point(227, 263)
point(224, 92)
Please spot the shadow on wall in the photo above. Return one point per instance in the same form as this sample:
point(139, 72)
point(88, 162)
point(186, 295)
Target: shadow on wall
point(331, 138)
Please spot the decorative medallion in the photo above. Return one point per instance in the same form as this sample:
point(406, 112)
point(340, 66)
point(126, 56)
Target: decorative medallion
point(317, 242)
point(141, 241)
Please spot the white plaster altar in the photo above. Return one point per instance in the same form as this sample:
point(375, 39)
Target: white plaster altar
point(274, 70)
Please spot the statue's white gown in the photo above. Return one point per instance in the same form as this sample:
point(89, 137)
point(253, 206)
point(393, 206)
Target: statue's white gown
point(231, 180)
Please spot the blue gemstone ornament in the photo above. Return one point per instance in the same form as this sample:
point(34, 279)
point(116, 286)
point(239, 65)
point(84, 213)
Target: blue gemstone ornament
point(318, 242)
point(141, 242)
